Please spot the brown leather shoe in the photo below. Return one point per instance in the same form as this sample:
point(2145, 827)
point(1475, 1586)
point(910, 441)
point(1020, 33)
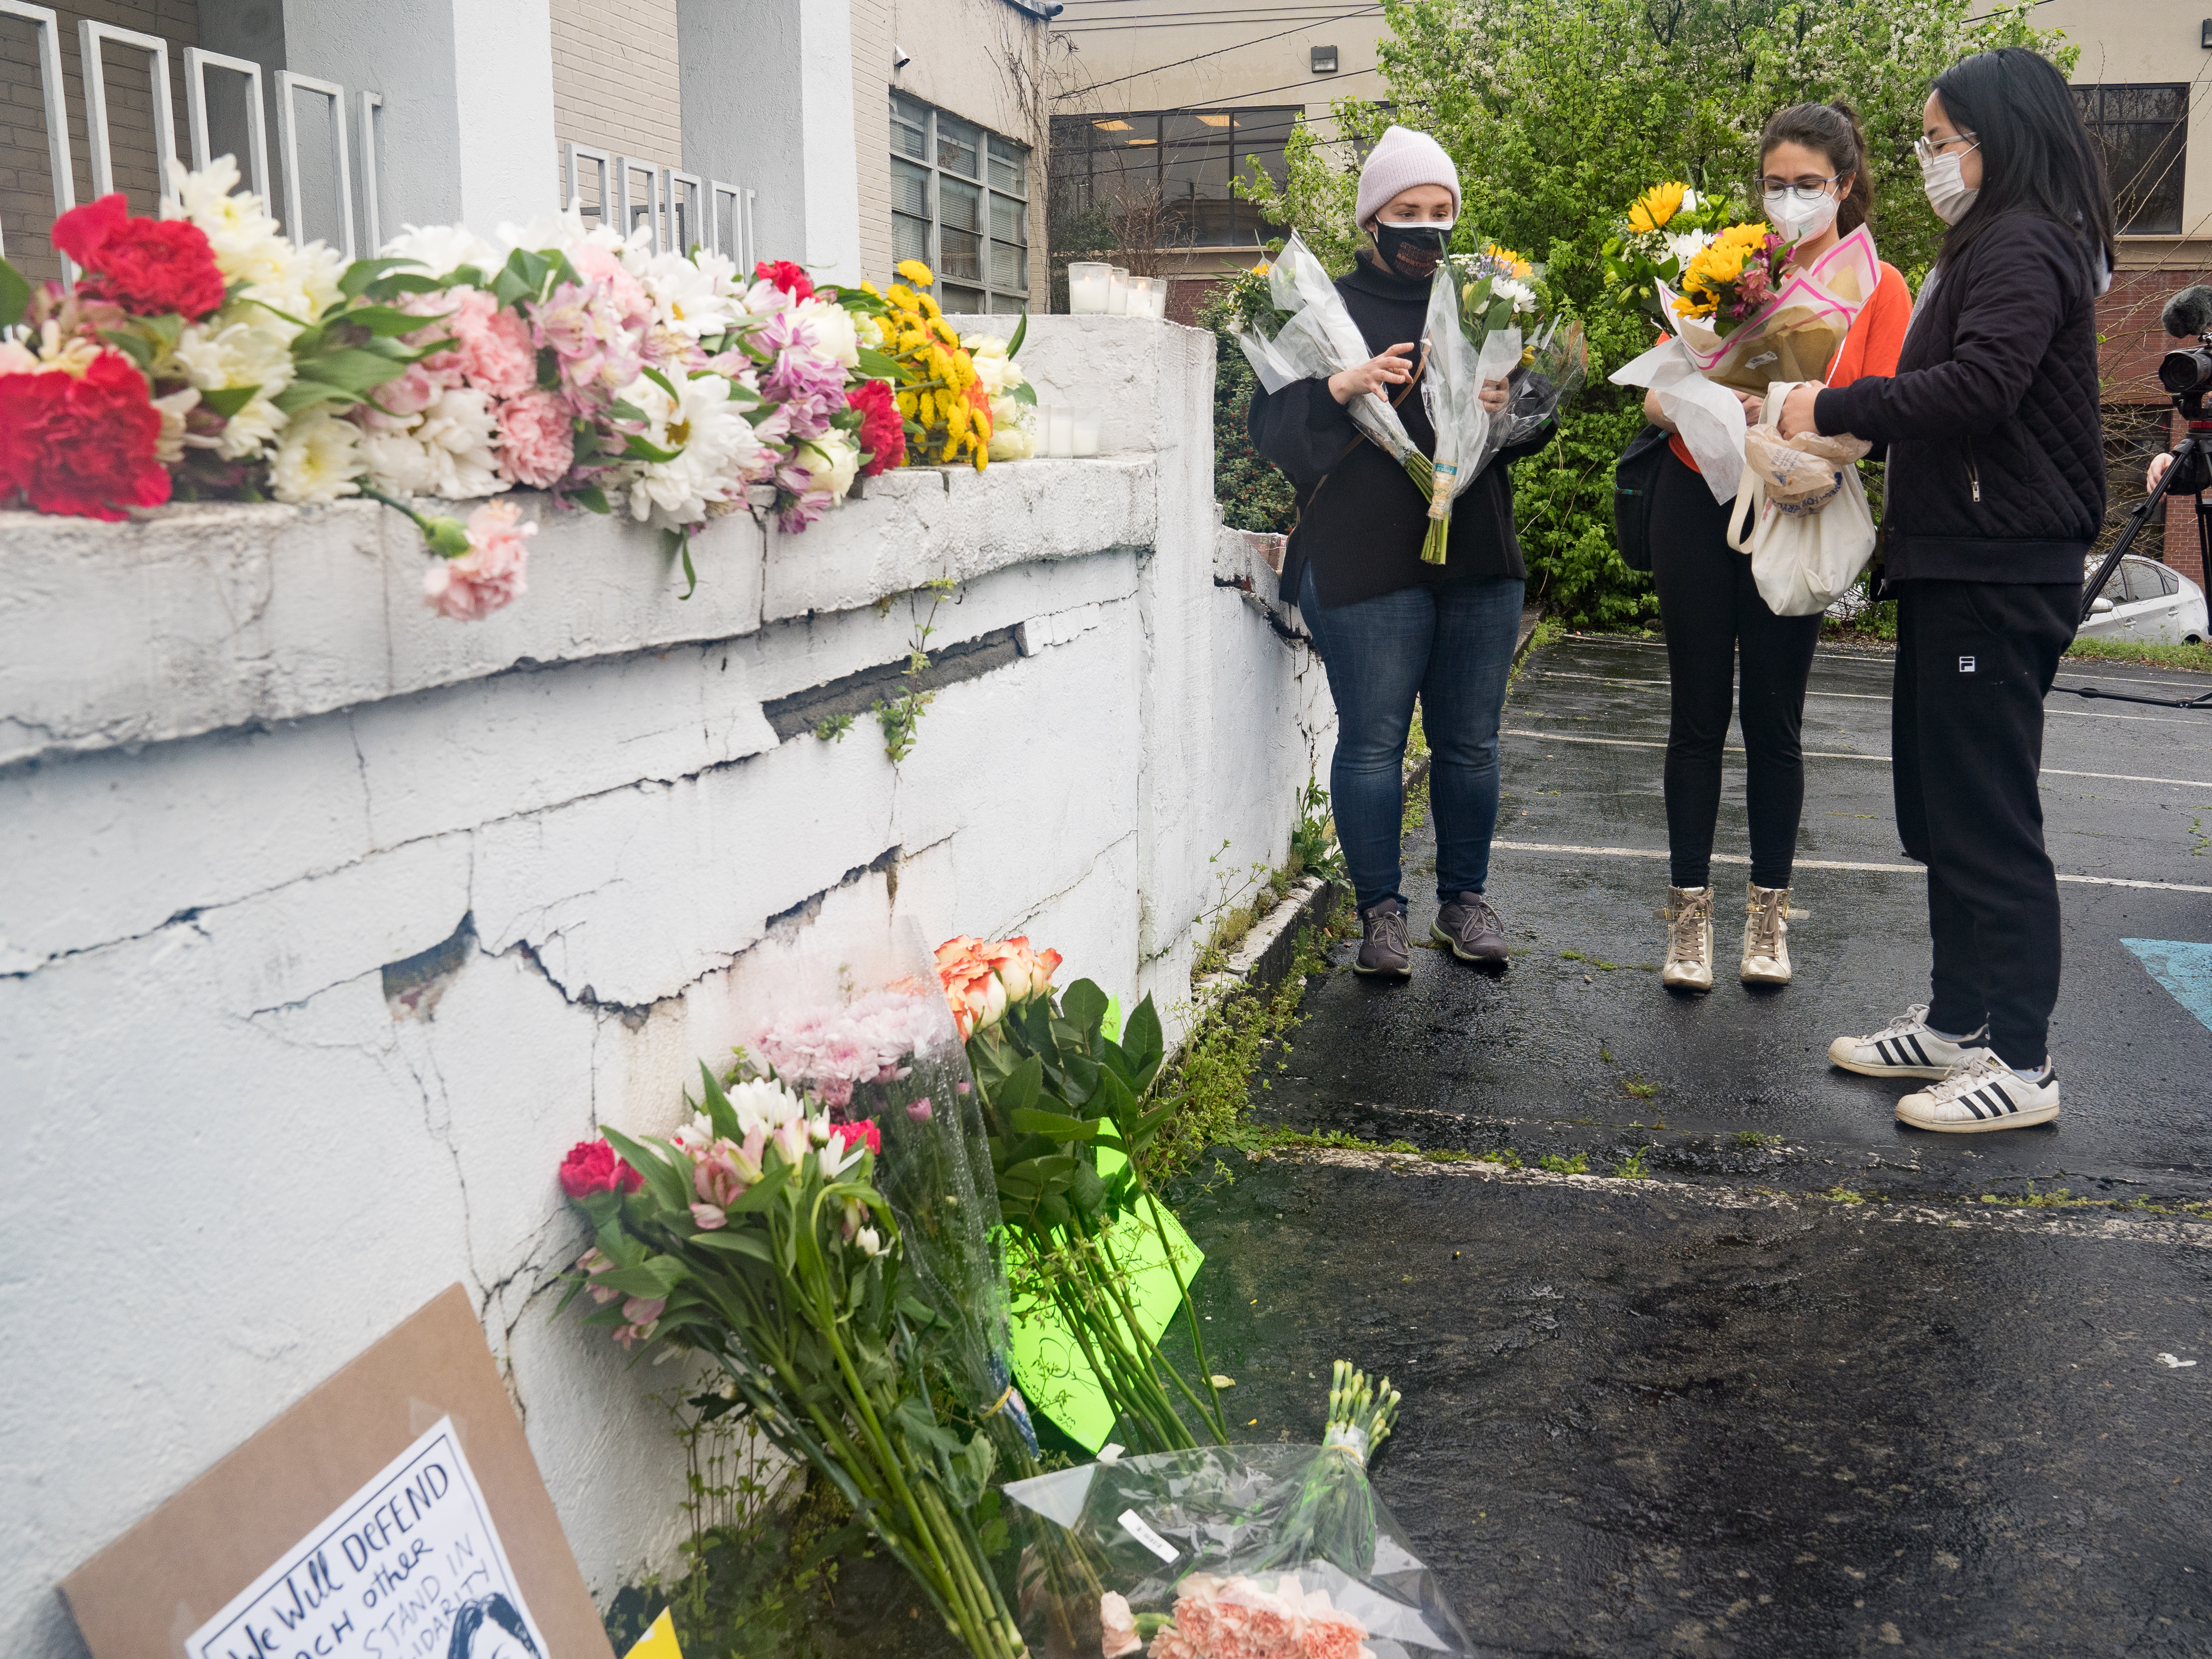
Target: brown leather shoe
point(1470, 931)
point(1384, 949)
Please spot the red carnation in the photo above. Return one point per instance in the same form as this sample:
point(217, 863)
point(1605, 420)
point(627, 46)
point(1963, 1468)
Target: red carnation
point(791, 278)
point(149, 267)
point(864, 1132)
point(593, 1167)
point(81, 446)
point(883, 434)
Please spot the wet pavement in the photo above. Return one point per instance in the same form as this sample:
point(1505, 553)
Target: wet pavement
point(1818, 1383)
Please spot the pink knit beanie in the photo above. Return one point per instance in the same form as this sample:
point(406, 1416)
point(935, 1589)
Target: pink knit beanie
point(1402, 159)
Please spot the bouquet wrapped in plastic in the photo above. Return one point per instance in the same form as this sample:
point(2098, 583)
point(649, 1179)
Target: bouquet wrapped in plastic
point(1665, 228)
point(1491, 329)
point(1746, 318)
point(1293, 325)
point(1222, 1553)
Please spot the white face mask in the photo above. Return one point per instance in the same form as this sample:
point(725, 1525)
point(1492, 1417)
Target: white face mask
point(1798, 219)
point(1947, 193)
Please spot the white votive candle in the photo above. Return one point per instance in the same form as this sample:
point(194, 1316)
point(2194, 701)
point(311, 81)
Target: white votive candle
point(1087, 421)
point(1117, 294)
point(1087, 285)
point(1060, 436)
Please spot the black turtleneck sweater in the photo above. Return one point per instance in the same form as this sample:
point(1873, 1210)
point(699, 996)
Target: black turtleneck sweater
point(1363, 532)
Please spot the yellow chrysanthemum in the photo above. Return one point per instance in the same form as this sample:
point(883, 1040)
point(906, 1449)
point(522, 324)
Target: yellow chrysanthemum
point(915, 272)
point(1260, 269)
point(1517, 266)
point(1656, 206)
point(901, 295)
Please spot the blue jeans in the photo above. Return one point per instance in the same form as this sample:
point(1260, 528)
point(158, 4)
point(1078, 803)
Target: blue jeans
point(1450, 643)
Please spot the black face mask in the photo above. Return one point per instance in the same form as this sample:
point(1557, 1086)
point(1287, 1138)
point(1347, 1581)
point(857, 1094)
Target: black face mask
point(1412, 251)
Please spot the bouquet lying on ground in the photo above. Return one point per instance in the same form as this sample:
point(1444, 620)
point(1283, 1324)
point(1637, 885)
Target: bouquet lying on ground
point(758, 1237)
point(1225, 1553)
point(1069, 1119)
point(669, 385)
point(1502, 356)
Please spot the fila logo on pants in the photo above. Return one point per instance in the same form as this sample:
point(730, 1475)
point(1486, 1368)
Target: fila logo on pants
point(1965, 665)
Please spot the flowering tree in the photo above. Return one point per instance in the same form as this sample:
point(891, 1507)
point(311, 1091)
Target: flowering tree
point(1558, 115)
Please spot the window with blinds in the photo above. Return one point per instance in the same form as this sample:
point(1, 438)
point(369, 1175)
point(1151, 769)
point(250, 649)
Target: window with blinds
point(2144, 133)
point(960, 204)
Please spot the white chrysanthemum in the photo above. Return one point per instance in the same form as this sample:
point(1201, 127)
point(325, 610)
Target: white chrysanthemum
point(170, 445)
point(688, 299)
point(829, 331)
point(318, 460)
point(716, 446)
point(438, 249)
point(1507, 287)
point(49, 349)
point(446, 451)
point(1686, 246)
point(240, 346)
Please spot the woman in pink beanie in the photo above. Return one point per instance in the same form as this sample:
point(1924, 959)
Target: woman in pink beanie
point(1390, 628)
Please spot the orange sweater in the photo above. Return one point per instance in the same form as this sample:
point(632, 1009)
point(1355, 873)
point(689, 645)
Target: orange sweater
point(1877, 336)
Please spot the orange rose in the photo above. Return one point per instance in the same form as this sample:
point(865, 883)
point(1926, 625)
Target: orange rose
point(978, 999)
point(1025, 972)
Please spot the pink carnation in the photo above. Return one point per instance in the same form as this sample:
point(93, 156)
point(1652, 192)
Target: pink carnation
point(536, 439)
point(495, 352)
point(489, 575)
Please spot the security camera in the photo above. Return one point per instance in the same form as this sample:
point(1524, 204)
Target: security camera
point(901, 57)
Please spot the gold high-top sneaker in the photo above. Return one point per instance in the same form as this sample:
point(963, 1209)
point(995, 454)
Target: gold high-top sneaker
point(1689, 939)
point(1766, 934)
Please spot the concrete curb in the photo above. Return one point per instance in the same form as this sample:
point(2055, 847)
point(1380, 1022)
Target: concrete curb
point(1264, 960)
point(1530, 615)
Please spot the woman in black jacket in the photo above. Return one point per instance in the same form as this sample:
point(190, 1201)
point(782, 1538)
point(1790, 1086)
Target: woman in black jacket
point(1995, 491)
point(1390, 628)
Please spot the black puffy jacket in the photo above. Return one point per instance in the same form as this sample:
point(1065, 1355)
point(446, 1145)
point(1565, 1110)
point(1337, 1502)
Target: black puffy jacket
point(1363, 532)
point(1996, 450)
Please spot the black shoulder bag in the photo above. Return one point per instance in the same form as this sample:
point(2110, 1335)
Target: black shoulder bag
point(1635, 477)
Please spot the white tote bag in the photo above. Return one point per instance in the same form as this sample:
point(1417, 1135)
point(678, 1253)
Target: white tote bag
point(1801, 515)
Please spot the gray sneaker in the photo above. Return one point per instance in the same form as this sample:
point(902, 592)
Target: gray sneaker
point(1470, 930)
point(1383, 948)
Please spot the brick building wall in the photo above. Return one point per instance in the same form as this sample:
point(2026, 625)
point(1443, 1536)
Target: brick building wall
point(27, 199)
point(2138, 411)
point(615, 85)
point(871, 78)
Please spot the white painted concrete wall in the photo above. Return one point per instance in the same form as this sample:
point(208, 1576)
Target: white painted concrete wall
point(240, 771)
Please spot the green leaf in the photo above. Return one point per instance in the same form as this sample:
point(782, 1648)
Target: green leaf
point(388, 320)
point(1141, 1036)
point(637, 449)
point(361, 272)
point(881, 366)
point(228, 400)
point(763, 1193)
point(591, 498)
point(167, 328)
point(1052, 1125)
point(678, 542)
point(656, 1276)
point(622, 410)
point(719, 1112)
point(670, 1185)
point(737, 1241)
point(1086, 1005)
point(663, 382)
point(1024, 393)
point(356, 369)
point(1019, 1091)
point(408, 281)
point(1021, 333)
point(15, 295)
point(131, 345)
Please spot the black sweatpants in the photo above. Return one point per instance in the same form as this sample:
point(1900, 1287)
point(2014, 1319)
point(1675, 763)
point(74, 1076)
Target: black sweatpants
point(1710, 611)
point(1974, 661)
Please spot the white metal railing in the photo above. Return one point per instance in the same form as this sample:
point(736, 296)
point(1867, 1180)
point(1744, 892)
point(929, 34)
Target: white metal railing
point(683, 209)
point(93, 41)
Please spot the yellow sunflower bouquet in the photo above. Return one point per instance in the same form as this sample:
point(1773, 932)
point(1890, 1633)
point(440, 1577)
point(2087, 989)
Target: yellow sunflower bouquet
point(941, 398)
point(1666, 227)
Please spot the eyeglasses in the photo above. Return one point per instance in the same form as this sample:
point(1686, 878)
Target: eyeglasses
point(1807, 190)
point(1928, 149)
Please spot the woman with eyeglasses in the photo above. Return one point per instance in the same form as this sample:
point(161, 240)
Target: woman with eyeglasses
point(1814, 184)
point(1994, 489)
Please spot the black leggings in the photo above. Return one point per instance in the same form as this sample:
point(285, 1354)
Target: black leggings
point(1710, 611)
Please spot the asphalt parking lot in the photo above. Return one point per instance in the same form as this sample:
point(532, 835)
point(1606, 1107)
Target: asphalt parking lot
point(1703, 1352)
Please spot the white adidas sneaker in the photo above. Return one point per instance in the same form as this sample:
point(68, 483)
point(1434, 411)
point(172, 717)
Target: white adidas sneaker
point(1906, 1047)
point(1983, 1094)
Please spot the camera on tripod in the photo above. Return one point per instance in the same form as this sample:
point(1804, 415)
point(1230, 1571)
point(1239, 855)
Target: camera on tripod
point(2187, 374)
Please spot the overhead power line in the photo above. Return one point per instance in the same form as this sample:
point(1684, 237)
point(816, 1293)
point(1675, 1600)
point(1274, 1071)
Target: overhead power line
point(1200, 58)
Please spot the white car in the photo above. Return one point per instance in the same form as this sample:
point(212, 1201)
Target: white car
point(2147, 602)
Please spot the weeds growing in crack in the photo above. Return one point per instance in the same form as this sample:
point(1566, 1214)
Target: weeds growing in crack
point(900, 717)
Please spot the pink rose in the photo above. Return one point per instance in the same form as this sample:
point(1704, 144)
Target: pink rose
point(536, 439)
point(489, 575)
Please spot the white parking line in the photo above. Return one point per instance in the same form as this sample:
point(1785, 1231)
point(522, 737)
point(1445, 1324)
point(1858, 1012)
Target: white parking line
point(1819, 864)
point(1868, 697)
point(1839, 754)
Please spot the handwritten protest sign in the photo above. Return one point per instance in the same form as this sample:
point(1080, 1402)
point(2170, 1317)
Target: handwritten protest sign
point(395, 1572)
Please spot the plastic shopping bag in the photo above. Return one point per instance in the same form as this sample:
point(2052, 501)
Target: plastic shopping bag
point(1800, 514)
point(1225, 1551)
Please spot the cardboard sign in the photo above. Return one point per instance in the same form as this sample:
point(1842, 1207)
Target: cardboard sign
point(414, 1443)
point(408, 1567)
